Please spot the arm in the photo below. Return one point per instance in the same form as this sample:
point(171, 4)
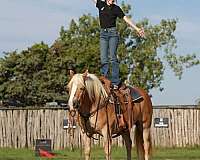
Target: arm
point(140, 31)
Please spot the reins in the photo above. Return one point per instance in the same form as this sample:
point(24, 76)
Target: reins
point(86, 116)
point(99, 107)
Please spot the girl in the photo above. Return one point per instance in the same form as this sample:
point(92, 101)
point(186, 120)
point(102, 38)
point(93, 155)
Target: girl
point(109, 38)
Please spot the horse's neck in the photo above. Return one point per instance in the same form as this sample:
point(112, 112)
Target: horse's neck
point(94, 104)
point(87, 103)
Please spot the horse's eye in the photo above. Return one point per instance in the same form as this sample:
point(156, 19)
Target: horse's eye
point(82, 88)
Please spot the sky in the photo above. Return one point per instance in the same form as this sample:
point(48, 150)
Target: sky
point(26, 22)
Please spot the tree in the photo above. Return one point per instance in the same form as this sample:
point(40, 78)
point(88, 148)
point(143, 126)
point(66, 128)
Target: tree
point(39, 74)
point(34, 76)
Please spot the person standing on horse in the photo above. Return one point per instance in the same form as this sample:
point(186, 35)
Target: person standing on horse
point(109, 38)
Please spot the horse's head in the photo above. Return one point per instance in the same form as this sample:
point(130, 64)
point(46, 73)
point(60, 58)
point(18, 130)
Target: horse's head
point(84, 88)
point(76, 88)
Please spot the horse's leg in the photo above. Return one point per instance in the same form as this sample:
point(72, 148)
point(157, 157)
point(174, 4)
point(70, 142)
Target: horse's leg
point(128, 143)
point(87, 146)
point(147, 143)
point(139, 141)
point(107, 140)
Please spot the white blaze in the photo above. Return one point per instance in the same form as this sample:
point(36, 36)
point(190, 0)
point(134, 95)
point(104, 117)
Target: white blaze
point(73, 91)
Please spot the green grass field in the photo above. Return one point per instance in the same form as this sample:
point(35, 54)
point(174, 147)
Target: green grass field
point(98, 154)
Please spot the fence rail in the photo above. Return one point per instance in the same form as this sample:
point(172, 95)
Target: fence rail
point(20, 127)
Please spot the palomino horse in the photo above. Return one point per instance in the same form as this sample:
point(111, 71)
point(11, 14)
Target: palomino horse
point(96, 115)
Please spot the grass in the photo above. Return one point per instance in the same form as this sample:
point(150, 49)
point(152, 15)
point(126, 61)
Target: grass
point(98, 154)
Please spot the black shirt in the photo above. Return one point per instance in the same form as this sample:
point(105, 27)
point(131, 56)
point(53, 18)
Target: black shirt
point(108, 14)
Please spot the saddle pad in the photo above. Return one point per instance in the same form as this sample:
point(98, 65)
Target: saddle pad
point(135, 94)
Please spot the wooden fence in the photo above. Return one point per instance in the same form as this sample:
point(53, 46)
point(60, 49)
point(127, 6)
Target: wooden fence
point(20, 127)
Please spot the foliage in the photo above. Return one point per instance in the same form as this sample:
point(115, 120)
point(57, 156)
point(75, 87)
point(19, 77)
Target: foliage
point(34, 76)
point(39, 74)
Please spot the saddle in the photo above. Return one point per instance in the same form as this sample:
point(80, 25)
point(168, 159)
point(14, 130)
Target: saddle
point(122, 98)
point(123, 89)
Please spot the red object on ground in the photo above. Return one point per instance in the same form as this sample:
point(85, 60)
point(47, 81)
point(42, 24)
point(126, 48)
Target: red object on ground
point(44, 153)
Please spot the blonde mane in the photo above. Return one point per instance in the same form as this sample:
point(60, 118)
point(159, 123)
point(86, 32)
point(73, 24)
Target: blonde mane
point(95, 88)
point(92, 84)
point(77, 79)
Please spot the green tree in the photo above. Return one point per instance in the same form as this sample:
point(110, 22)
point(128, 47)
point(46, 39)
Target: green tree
point(34, 76)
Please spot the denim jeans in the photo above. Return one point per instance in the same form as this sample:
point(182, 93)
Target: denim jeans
point(109, 40)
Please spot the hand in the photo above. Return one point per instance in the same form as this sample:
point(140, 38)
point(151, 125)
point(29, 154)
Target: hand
point(141, 32)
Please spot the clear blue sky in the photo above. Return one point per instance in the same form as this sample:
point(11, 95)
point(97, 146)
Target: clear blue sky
point(25, 22)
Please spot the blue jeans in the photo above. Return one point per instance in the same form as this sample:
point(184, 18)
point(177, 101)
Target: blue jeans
point(109, 40)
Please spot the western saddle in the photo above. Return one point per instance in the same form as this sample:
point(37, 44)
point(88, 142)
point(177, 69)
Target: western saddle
point(122, 99)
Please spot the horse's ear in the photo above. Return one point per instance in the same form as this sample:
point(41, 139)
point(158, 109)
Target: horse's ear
point(71, 73)
point(85, 74)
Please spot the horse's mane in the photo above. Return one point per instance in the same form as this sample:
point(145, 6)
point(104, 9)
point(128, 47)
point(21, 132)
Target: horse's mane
point(94, 87)
point(92, 84)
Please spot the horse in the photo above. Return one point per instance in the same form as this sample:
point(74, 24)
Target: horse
point(96, 115)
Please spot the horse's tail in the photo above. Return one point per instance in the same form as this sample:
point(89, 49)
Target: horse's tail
point(143, 135)
point(139, 141)
point(143, 139)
